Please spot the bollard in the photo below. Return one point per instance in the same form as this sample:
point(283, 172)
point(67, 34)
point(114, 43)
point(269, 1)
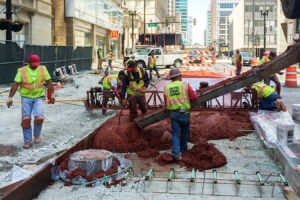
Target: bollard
point(259, 178)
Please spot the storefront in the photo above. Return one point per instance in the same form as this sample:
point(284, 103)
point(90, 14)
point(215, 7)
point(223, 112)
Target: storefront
point(94, 21)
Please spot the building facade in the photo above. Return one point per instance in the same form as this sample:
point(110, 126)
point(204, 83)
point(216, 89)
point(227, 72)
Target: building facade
point(207, 37)
point(190, 31)
point(96, 23)
point(278, 28)
point(222, 10)
point(174, 27)
point(35, 14)
point(182, 9)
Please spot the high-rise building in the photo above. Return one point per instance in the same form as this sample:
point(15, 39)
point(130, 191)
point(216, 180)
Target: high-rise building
point(221, 11)
point(182, 8)
point(190, 31)
point(207, 39)
point(173, 27)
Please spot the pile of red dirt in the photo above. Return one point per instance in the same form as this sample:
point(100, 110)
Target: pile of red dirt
point(165, 158)
point(205, 125)
point(8, 150)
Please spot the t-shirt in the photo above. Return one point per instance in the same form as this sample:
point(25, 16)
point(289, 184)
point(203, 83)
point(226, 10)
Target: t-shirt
point(113, 83)
point(33, 74)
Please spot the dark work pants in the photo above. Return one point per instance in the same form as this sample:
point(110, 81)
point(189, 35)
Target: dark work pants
point(155, 69)
point(133, 102)
point(238, 70)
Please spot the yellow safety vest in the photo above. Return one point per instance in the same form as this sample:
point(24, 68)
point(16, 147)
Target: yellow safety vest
point(265, 59)
point(153, 62)
point(177, 95)
point(110, 55)
point(127, 61)
point(107, 81)
point(28, 85)
point(134, 87)
point(263, 90)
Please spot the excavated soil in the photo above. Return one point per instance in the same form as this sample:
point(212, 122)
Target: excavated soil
point(205, 125)
point(8, 150)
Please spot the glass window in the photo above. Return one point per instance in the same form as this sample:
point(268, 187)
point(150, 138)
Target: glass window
point(157, 52)
point(226, 5)
point(222, 20)
point(225, 13)
point(222, 32)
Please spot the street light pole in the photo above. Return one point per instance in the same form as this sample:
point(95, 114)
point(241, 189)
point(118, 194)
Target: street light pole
point(9, 18)
point(144, 17)
point(264, 13)
point(132, 14)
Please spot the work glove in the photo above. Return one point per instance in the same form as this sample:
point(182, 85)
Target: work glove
point(52, 100)
point(124, 102)
point(9, 102)
point(143, 89)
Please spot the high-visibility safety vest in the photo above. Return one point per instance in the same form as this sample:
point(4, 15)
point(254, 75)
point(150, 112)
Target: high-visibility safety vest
point(110, 56)
point(177, 95)
point(238, 58)
point(264, 60)
point(100, 53)
point(134, 86)
point(152, 62)
point(107, 81)
point(28, 85)
point(263, 90)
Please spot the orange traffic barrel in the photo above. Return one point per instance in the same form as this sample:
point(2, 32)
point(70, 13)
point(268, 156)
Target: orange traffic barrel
point(291, 76)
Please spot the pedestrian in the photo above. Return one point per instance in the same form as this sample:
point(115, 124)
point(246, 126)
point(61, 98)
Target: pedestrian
point(267, 97)
point(152, 65)
point(100, 57)
point(273, 77)
point(239, 62)
point(132, 58)
point(110, 58)
point(178, 95)
point(31, 80)
point(111, 83)
point(135, 84)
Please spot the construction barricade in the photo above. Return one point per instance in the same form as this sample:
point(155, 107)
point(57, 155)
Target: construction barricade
point(291, 76)
point(204, 60)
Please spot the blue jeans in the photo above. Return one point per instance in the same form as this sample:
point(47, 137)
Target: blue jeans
point(35, 106)
point(155, 69)
point(268, 103)
point(180, 122)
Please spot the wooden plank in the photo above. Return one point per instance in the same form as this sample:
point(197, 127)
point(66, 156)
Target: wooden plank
point(288, 58)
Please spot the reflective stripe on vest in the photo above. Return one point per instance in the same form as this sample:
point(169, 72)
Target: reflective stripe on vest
point(136, 86)
point(263, 90)
point(24, 77)
point(107, 81)
point(180, 100)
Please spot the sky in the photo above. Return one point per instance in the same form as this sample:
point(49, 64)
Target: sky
point(198, 10)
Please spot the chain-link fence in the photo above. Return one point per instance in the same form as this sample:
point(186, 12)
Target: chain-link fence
point(13, 56)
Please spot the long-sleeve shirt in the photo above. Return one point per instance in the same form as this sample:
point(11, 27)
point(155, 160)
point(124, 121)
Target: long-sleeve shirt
point(193, 96)
point(135, 75)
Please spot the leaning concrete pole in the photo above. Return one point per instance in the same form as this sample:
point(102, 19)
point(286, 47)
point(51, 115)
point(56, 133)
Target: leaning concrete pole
point(289, 57)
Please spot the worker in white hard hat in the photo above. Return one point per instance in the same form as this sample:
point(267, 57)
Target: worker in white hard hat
point(178, 95)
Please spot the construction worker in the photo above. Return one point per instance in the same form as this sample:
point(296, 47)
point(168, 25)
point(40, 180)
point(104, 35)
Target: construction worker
point(273, 77)
point(31, 80)
point(111, 82)
point(132, 58)
point(135, 84)
point(267, 97)
point(178, 95)
point(100, 57)
point(110, 58)
point(239, 62)
point(152, 65)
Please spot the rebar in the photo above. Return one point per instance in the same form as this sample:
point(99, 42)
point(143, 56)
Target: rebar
point(259, 178)
point(149, 174)
point(283, 179)
point(237, 178)
point(215, 176)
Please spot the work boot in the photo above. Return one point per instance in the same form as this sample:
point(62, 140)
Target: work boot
point(280, 106)
point(37, 139)
point(279, 97)
point(132, 117)
point(26, 145)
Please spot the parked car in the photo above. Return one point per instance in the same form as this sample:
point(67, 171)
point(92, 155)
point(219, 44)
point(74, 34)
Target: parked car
point(247, 59)
point(163, 58)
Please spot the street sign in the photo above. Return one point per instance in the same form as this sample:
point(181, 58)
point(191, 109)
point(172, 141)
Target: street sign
point(152, 25)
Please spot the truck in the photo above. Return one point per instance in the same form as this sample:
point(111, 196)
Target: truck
point(167, 59)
